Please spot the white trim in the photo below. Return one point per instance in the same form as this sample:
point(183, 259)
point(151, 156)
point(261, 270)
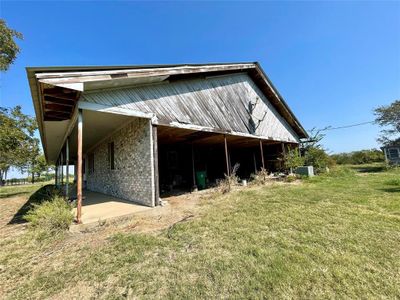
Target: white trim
point(114, 110)
point(153, 195)
point(146, 71)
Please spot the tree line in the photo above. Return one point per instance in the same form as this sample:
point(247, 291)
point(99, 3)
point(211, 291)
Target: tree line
point(19, 148)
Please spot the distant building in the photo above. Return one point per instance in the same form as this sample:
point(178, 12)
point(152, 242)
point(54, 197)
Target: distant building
point(392, 153)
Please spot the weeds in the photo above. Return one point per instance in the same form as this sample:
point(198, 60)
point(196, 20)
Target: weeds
point(260, 178)
point(225, 185)
point(51, 216)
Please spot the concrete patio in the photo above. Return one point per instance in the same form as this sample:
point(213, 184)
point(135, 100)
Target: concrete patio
point(97, 207)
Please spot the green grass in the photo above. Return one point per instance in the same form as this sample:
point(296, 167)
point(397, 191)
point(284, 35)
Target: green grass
point(334, 236)
point(19, 190)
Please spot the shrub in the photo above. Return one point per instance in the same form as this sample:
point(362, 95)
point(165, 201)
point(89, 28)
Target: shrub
point(395, 182)
point(290, 178)
point(317, 158)
point(52, 216)
point(293, 160)
point(359, 157)
point(341, 171)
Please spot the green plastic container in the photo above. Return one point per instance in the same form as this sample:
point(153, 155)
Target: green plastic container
point(201, 179)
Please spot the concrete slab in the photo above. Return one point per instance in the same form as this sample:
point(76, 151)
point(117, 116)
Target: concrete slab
point(97, 207)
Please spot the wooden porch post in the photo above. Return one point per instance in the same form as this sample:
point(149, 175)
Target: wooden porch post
point(255, 163)
point(79, 171)
point(262, 155)
point(226, 156)
point(283, 149)
point(67, 170)
point(283, 153)
point(193, 171)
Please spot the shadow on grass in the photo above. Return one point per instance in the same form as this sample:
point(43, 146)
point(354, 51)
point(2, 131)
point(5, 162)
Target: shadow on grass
point(369, 169)
point(391, 190)
point(9, 195)
point(44, 193)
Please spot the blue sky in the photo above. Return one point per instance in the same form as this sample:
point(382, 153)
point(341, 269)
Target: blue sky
point(333, 62)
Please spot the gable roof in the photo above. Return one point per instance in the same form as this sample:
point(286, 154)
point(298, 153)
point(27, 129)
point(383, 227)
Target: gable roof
point(86, 78)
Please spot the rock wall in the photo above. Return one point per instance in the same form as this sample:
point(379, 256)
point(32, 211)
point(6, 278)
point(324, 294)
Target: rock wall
point(133, 176)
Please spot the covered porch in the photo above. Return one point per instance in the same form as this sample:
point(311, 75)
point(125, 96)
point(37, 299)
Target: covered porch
point(88, 129)
point(99, 207)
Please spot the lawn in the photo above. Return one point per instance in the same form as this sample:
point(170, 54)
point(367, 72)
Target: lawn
point(17, 190)
point(335, 236)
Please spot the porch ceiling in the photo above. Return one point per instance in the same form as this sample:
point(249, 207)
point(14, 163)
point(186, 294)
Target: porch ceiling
point(96, 127)
point(168, 135)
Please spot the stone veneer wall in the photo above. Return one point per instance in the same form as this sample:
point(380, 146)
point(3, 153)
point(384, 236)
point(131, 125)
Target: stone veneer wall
point(133, 176)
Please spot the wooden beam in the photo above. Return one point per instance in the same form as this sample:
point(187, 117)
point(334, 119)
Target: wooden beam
point(58, 107)
point(60, 101)
point(262, 155)
point(60, 96)
point(226, 157)
point(79, 171)
point(54, 118)
point(156, 172)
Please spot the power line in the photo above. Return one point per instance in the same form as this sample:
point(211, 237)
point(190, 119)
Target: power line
point(346, 126)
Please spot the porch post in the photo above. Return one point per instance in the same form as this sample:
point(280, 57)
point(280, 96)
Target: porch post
point(262, 155)
point(79, 171)
point(155, 162)
point(255, 163)
point(62, 168)
point(283, 153)
point(283, 149)
point(385, 153)
point(193, 171)
point(67, 171)
point(56, 173)
point(226, 156)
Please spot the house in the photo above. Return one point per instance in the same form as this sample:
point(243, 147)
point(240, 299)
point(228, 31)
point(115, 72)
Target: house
point(135, 131)
point(392, 153)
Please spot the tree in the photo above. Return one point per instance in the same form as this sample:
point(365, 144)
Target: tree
point(389, 118)
point(314, 140)
point(314, 153)
point(8, 47)
point(293, 160)
point(32, 161)
point(317, 158)
point(17, 141)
